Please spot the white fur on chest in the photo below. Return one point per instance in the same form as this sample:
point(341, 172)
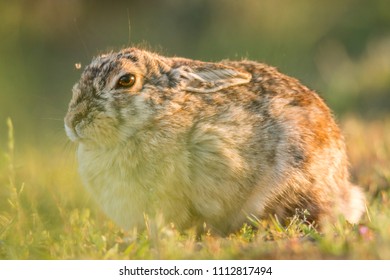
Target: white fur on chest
point(128, 186)
point(109, 181)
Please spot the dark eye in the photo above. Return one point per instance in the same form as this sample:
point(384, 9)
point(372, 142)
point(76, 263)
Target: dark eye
point(126, 81)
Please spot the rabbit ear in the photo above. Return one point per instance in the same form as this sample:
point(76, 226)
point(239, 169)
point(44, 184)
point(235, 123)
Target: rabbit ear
point(209, 78)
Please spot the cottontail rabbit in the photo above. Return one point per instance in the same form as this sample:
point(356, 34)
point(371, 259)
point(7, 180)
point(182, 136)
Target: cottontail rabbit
point(206, 143)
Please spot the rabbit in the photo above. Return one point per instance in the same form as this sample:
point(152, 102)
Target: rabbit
point(206, 144)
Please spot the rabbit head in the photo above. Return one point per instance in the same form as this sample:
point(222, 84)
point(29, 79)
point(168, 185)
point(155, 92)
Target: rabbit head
point(115, 95)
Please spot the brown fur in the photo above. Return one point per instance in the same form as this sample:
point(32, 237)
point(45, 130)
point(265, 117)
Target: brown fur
point(203, 142)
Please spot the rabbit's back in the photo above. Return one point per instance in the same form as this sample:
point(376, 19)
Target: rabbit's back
point(278, 150)
point(309, 166)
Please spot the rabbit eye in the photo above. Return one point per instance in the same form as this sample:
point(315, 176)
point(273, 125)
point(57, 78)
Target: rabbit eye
point(127, 80)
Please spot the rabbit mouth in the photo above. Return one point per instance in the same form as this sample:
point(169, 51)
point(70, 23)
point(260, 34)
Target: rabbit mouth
point(77, 128)
point(77, 134)
point(76, 131)
point(95, 130)
point(72, 134)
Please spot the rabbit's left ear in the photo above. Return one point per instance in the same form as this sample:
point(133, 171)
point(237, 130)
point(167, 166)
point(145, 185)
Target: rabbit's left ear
point(208, 78)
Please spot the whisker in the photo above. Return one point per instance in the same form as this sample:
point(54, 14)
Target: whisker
point(129, 27)
point(86, 49)
point(53, 119)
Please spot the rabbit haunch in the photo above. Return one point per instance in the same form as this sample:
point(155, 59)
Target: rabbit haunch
point(206, 143)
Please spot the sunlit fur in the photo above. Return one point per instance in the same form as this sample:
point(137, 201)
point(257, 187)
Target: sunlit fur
point(206, 143)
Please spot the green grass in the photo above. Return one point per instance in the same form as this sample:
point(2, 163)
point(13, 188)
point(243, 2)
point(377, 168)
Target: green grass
point(46, 214)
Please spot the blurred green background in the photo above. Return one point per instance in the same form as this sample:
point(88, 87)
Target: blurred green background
point(340, 48)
